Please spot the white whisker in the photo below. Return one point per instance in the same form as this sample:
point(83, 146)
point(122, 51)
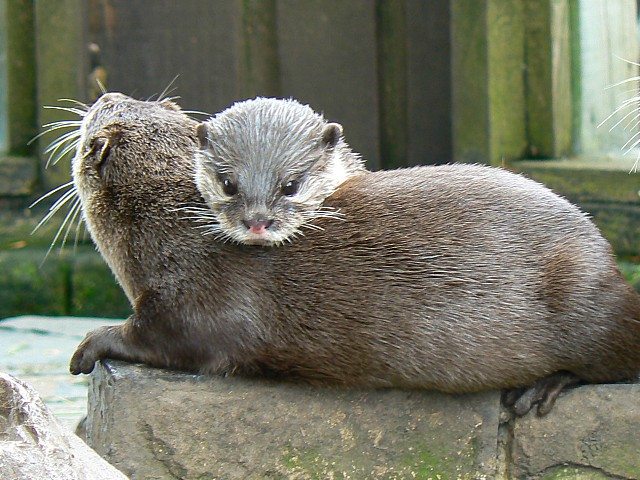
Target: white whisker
point(55, 207)
point(77, 111)
point(48, 194)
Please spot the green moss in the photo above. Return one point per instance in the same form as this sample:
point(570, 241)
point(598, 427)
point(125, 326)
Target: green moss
point(29, 286)
point(95, 291)
point(573, 473)
point(631, 272)
point(311, 463)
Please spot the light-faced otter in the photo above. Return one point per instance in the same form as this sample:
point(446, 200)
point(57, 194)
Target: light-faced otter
point(265, 167)
point(454, 278)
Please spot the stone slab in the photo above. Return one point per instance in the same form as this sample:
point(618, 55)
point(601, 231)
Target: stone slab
point(37, 350)
point(153, 424)
point(593, 432)
point(34, 446)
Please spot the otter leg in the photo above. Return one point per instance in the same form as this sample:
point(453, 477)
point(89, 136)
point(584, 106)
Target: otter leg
point(105, 342)
point(544, 393)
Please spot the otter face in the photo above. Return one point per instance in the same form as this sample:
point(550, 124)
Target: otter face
point(266, 166)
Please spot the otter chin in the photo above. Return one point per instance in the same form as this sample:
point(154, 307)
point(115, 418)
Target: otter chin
point(471, 278)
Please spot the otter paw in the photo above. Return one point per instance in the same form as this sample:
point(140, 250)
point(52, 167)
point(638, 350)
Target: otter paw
point(91, 349)
point(543, 393)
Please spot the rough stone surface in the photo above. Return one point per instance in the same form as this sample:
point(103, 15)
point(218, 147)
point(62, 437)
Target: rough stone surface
point(33, 445)
point(154, 424)
point(593, 432)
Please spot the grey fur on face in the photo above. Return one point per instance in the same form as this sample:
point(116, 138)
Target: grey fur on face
point(266, 166)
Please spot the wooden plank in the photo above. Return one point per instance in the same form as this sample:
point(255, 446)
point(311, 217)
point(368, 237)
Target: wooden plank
point(259, 66)
point(19, 76)
point(601, 67)
point(549, 94)
point(506, 87)
point(391, 36)
point(327, 52)
point(4, 97)
point(428, 106)
point(470, 99)
point(488, 81)
point(61, 70)
point(146, 44)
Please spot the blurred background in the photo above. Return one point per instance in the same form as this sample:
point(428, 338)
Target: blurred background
point(516, 83)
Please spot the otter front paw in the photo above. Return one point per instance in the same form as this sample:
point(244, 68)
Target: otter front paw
point(95, 346)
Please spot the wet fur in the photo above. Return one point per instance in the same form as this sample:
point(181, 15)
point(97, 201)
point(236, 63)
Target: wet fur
point(456, 278)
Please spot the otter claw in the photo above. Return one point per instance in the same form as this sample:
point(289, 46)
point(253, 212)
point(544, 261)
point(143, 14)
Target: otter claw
point(94, 347)
point(543, 393)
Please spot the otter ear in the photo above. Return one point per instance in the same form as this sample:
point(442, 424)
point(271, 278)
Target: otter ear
point(331, 133)
point(204, 135)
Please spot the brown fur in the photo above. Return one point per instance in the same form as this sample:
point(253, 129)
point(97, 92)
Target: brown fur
point(457, 278)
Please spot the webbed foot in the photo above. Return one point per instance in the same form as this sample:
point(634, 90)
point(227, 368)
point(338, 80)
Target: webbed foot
point(543, 392)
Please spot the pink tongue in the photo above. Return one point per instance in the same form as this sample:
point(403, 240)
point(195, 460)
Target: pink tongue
point(257, 229)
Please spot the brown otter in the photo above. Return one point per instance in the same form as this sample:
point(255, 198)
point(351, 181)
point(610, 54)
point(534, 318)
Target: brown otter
point(455, 278)
point(265, 168)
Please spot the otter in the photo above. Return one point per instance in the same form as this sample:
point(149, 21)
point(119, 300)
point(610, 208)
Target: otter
point(265, 167)
point(453, 278)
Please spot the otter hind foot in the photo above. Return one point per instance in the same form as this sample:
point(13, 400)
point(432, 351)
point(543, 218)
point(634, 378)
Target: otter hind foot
point(543, 392)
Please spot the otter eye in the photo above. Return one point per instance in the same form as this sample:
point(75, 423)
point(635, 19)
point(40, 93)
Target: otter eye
point(290, 188)
point(229, 187)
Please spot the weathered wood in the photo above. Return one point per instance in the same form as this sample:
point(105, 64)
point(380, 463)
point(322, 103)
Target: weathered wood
point(428, 103)
point(190, 48)
point(61, 70)
point(328, 57)
point(601, 66)
point(549, 97)
point(507, 107)
point(259, 66)
point(391, 37)
point(18, 82)
point(488, 81)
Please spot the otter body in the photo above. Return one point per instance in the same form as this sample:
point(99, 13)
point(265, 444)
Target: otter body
point(265, 167)
point(456, 278)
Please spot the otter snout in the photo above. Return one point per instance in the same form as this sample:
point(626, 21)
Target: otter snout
point(257, 225)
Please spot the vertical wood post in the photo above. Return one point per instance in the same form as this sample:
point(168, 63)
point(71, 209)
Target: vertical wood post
point(548, 80)
point(61, 70)
point(18, 82)
point(259, 65)
point(391, 38)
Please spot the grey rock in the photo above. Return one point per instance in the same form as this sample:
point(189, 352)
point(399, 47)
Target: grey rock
point(37, 350)
point(593, 432)
point(33, 445)
point(154, 424)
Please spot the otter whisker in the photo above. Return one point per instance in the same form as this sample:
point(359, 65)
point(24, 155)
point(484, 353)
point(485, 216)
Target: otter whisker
point(79, 224)
point(50, 127)
point(166, 90)
point(55, 207)
point(60, 141)
point(70, 147)
point(84, 106)
point(77, 111)
point(72, 209)
point(51, 192)
point(75, 208)
point(196, 112)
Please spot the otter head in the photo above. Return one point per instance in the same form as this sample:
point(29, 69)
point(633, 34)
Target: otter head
point(128, 172)
point(265, 167)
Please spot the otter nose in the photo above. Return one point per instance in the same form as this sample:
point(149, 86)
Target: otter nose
point(257, 225)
